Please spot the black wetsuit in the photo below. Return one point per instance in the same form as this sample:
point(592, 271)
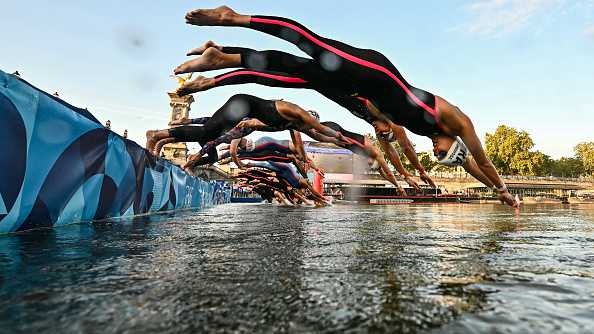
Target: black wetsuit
point(188, 133)
point(282, 170)
point(288, 71)
point(349, 71)
point(359, 140)
point(260, 155)
point(266, 149)
point(220, 127)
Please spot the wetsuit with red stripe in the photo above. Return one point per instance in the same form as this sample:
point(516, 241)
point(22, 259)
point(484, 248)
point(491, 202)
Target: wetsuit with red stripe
point(357, 141)
point(283, 170)
point(262, 177)
point(260, 155)
point(361, 72)
point(280, 69)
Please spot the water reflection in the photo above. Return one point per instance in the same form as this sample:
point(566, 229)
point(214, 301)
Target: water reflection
point(249, 268)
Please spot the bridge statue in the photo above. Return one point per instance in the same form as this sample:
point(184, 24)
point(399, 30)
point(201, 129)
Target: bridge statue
point(180, 108)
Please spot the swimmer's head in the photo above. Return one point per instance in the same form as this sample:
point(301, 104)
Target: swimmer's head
point(373, 164)
point(449, 151)
point(387, 136)
point(383, 130)
point(314, 114)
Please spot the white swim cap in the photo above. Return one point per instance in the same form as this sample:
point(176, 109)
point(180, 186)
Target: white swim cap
point(457, 154)
point(314, 114)
point(389, 136)
point(249, 145)
point(374, 165)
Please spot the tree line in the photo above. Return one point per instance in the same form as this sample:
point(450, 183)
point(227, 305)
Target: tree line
point(511, 151)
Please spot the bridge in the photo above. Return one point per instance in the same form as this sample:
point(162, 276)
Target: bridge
point(523, 185)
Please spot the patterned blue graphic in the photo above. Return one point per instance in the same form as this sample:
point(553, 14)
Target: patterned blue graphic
point(59, 165)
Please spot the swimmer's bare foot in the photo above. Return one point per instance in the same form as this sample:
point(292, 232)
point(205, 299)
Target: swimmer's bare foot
point(197, 85)
point(211, 59)
point(151, 140)
point(220, 16)
point(200, 50)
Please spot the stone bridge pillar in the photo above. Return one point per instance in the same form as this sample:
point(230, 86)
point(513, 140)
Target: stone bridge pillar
point(177, 153)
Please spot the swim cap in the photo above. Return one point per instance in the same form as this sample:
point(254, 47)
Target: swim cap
point(389, 136)
point(314, 114)
point(457, 154)
point(374, 165)
point(249, 145)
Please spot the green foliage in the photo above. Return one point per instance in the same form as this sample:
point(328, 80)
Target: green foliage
point(585, 153)
point(427, 161)
point(566, 167)
point(509, 150)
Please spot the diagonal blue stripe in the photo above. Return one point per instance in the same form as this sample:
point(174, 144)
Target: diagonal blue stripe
point(2, 206)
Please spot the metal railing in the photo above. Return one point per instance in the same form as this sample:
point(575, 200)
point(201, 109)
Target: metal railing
point(461, 175)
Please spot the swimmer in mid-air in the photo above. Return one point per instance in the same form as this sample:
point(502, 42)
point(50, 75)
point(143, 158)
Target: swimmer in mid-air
point(367, 74)
point(299, 68)
point(241, 115)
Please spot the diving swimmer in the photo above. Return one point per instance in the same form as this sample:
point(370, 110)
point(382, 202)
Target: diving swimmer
point(369, 74)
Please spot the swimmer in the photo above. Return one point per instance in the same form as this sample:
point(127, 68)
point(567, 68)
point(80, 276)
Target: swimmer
point(289, 173)
point(369, 74)
point(247, 114)
point(238, 117)
point(279, 183)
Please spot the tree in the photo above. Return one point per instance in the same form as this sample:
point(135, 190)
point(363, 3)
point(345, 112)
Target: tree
point(426, 159)
point(509, 150)
point(567, 167)
point(585, 152)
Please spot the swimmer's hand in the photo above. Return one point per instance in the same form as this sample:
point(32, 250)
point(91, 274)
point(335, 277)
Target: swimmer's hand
point(402, 191)
point(425, 178)
point(507, 198)
point(342, 140)
point(181, 121)
point(411, 182)
point(321, 171)
point(250, 123)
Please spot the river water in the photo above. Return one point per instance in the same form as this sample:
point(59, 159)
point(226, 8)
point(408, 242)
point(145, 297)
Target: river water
point(262, 268)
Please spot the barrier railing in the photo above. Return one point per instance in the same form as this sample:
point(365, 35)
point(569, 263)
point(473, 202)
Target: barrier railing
point(59, 165)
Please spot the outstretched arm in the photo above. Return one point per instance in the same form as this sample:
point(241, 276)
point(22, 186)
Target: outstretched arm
point(251, 123)
point(409, 151)
point(470, 138)
point(473, 169)
point(395, 160)
point(315, 128)
point(298, 144)
point(393, 156)
point(386, 172)
point(233, 152)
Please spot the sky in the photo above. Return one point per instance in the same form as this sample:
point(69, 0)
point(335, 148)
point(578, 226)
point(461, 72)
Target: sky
point(523, 63)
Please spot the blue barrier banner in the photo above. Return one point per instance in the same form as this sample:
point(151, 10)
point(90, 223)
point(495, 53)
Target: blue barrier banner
point(59, 165)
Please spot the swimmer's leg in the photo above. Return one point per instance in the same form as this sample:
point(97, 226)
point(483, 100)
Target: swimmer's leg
point(153, 136)
point(159, 145)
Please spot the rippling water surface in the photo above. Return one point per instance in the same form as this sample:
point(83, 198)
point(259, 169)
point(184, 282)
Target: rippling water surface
point(261, 268)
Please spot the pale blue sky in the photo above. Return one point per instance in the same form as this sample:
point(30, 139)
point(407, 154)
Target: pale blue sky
point(523, 63)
